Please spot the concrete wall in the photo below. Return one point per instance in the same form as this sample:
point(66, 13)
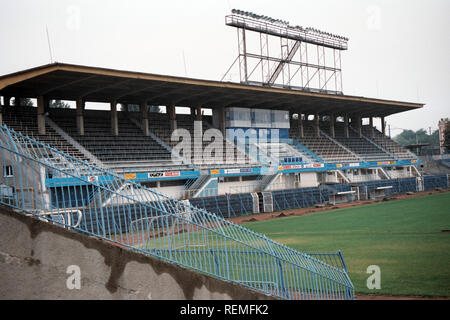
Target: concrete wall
point(35, 256)
point(238, 187)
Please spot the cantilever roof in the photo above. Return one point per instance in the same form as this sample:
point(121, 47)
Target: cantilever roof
point(72, 82)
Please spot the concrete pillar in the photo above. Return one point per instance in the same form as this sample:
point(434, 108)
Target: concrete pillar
point(144, 118)
point(80, 117)
point(332, 120)
point(7, 101)
point(316, 125)
point(172, 117)
point(198, 113)
point(1, 110)
point(346, 131)
point(383, 125)
point(222, 124)
point(359, 126)
point(114, 119)
point(41, 114)
point(301, 132)
point(372, 130)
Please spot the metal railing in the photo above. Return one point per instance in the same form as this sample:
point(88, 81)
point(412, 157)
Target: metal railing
point(159, 226)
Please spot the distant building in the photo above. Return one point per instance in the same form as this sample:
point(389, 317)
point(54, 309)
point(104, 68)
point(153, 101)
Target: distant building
point(444, 135)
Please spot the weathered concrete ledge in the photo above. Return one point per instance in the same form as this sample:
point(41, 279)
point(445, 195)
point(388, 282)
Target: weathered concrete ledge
point(35, 260)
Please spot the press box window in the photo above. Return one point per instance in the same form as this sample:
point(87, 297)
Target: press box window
point(8, 171)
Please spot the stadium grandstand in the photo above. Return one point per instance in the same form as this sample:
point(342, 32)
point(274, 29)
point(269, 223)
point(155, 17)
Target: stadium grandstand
point(311, 140)
point(244, 148)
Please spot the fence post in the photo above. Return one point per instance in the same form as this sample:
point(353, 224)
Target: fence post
point(19, 168)
point(216, 261)
point(342, 260)
point(101, 212)
point(283, 288)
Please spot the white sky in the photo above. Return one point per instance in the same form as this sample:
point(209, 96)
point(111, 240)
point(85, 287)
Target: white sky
point(398, 49)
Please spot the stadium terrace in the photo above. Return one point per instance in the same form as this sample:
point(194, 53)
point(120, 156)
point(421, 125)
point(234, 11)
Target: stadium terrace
point(151, 177)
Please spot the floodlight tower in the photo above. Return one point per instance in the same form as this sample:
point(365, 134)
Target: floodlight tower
point(307, 59)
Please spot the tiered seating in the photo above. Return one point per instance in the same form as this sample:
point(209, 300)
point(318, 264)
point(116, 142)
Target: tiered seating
point(356, 144)
point(130, 146)
point(24, 120)
point(160, 125)
point(388, 144)
point(322, 146)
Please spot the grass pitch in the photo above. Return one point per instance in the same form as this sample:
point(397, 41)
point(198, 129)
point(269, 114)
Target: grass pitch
point(405, 238)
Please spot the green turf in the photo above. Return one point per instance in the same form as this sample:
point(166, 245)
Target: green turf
point(404, 238)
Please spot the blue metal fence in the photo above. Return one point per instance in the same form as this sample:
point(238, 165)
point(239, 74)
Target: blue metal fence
point(146, 221)
point(299, 198)
point(434, 182)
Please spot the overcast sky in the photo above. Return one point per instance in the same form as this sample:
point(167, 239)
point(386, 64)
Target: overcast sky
point(398, 49)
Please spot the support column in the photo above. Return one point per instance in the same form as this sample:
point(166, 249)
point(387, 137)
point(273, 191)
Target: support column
point(383, 126)
point(301, 132)
point(5, 105)
point(172, 117)
point(80, 117)
point(198, 113)
point(332, 120)
point(372, 130)
point(222, 124)
point(114, 119)
point(346, 131)
point(41, 114)
point(316, 125)
point(198, 135)
point(7, 101)
point(144, 118)
point(359, 126)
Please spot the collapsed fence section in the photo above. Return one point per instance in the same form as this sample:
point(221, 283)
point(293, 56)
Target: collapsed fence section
point(146, 221)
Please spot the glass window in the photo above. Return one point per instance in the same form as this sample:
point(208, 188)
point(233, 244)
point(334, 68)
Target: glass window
point(8, 171)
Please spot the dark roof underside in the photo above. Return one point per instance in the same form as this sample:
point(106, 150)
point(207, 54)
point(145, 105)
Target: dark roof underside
point(71, 82)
